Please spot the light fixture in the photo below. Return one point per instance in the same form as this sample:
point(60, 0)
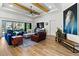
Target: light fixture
point(11, 5)
point(50, 7)
point(33, 12)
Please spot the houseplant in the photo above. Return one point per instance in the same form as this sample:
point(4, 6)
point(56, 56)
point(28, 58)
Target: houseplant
point(59, 35)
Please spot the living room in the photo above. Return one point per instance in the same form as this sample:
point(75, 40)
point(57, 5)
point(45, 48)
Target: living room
point(16, 18)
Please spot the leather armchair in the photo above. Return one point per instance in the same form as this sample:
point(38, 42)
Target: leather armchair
point(17, 40)
point(39, 36)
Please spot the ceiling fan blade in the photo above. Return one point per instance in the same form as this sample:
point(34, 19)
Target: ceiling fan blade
point(36, 13)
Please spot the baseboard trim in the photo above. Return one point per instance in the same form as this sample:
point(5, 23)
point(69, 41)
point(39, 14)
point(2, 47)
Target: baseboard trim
point(50, 36)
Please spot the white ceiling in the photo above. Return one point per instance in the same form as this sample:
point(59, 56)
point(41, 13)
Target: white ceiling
point(12, 8)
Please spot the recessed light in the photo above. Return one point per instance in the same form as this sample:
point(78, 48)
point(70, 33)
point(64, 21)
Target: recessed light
point(11, 5)
point(50, 7)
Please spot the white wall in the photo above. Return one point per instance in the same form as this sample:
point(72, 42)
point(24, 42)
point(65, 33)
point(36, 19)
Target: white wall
point(56, 20)
point(53, 19)
point(5, 15)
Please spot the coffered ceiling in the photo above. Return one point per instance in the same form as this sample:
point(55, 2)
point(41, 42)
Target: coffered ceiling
point(30, 9)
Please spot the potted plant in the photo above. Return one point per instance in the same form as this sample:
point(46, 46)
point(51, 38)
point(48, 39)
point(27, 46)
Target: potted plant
point(59, 35)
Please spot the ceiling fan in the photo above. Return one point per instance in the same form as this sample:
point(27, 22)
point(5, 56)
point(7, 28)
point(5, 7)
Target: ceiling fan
point(33, 12)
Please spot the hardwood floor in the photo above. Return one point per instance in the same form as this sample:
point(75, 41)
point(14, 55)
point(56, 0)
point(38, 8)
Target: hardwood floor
point(47, 47)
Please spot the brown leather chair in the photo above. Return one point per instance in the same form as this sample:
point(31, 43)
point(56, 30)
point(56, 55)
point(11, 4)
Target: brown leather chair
point(17, 41)
point(38, 37)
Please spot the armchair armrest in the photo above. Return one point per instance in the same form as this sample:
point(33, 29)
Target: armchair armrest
point(35, 38)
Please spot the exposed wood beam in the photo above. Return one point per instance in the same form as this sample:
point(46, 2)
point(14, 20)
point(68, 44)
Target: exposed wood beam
point(42, 7)
point(26, 8)
point(23, 7)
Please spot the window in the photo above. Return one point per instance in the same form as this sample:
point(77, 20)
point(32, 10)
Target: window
point(13, 25)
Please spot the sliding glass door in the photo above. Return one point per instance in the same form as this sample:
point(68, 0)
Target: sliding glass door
point(13, 25)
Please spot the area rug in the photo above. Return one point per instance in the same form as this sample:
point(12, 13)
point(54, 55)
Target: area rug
point(28, 43)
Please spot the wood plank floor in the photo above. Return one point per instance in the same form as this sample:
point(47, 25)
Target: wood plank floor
point(47, 47)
